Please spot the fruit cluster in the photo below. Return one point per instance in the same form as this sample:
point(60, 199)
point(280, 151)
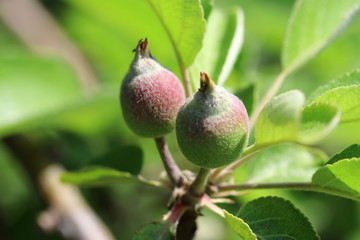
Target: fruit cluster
point(212, 126)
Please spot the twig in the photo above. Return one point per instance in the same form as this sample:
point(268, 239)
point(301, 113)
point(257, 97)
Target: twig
point(290, 186)
point(71, 214)
point(41, 33)
point(173, 171)
point(198, 187)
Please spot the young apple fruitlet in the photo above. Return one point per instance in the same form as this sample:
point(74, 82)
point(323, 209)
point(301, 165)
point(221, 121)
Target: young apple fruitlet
point(150, 95)
point(212, 127)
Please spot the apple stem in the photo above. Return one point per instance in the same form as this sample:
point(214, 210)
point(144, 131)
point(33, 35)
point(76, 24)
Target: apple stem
point(198, 187)
point(172, 169)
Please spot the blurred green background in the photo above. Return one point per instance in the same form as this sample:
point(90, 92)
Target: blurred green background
point(78, 130)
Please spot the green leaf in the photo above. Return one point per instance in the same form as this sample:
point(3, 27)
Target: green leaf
point(344, 92)
point(104, 29)
point(347, 98)
point(32, 89)
point(289, 163)
point(312, 26)
point(207, 6)
point(239, 226)
point(352, 151)
point(276, 218)
point(98, 176)
point(221, 46)
point(184, 22)
point(341, 177)
point(153, 231)
point(345, 80)
point(279, 120)
point(318, 120)
point(284, 119)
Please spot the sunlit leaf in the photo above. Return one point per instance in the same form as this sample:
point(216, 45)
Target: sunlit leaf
point(352, 151)
point(279, 120)
point(344, 92)
point(285, 163)
point(318, 120)
point(348, 100)
point(312, 26)
point(239, 226)
point(207, 6)
point(276, 218)
point(221, 46)
point(348, 79)
point(185, 24)
point(284, 119)
point(342, 177)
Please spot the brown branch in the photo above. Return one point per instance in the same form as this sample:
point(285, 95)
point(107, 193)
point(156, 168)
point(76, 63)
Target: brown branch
point(173, 171)
point(186, 227)
point(40, 32)
point(71, 214)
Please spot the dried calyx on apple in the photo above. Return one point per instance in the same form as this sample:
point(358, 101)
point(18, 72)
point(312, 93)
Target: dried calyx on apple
point(150, 95)
point(212, 127)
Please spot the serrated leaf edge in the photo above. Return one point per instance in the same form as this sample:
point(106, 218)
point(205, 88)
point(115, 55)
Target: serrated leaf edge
point(337, 154)
point(329, 127)
point(339, 193)
point(313, 96)
point(291, 204)
point(227, 214)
